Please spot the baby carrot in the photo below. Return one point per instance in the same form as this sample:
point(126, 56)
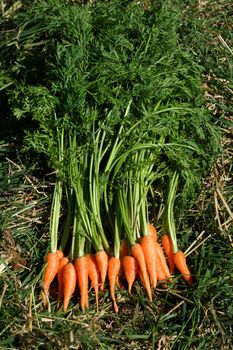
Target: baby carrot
point(148, 244)
point(167, 245)
point(163, 261)
point(102, 262)
point(69, 283)
point(124, 250)
point(63, 261)
point(181, 264)
point(52, 264)
point(161, 276)
point(130, 266)
point(93, 275)
point(114, 265)
point(153, 231)
point(81, 267)
point(137, 252)
point(139, 273)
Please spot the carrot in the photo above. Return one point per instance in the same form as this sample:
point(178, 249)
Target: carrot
point(153, 231)
point(114, 265)
point(148, 244)
point(102, 262)
point(161, 276)
point(124, 249)
point(181, 264)
point(139, 272)
point(93, 275)
point(118, 279)
point(52, 264)
point(137, 252)
point(130, 266)
point(81, 266)
point(167, 245)
point(63, 261)
point(60, 254)
point(69, 283)
point(163, 261)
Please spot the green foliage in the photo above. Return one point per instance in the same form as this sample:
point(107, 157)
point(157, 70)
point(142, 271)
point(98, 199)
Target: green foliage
point(96, 58)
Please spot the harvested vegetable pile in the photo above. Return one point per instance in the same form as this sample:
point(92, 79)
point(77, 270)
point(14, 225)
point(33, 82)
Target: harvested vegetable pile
point(115, 107)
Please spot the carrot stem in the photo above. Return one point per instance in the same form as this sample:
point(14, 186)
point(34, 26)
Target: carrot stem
point(56, 202)
point(66, 230)
point(169, 222)
point(55, 215)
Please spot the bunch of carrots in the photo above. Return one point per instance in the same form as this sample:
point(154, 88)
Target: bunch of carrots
point(131, 250)
point(144, 260)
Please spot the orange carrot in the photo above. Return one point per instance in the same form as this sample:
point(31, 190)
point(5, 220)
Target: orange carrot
point(161, 275)
point(93, 275)
point(102, 262)
point(52, 264)
point(124, 250)
point(153, 231)
point(81, 267)
point(114, 265)
point(60, 254)
point(167, 246)
point(181, 264)
point(163, 261)
point(63, 261)
point(69, 283)
point(139, 272)
point(118, 279)
point(130, 266)
point(148, 244)
point(137, 252)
